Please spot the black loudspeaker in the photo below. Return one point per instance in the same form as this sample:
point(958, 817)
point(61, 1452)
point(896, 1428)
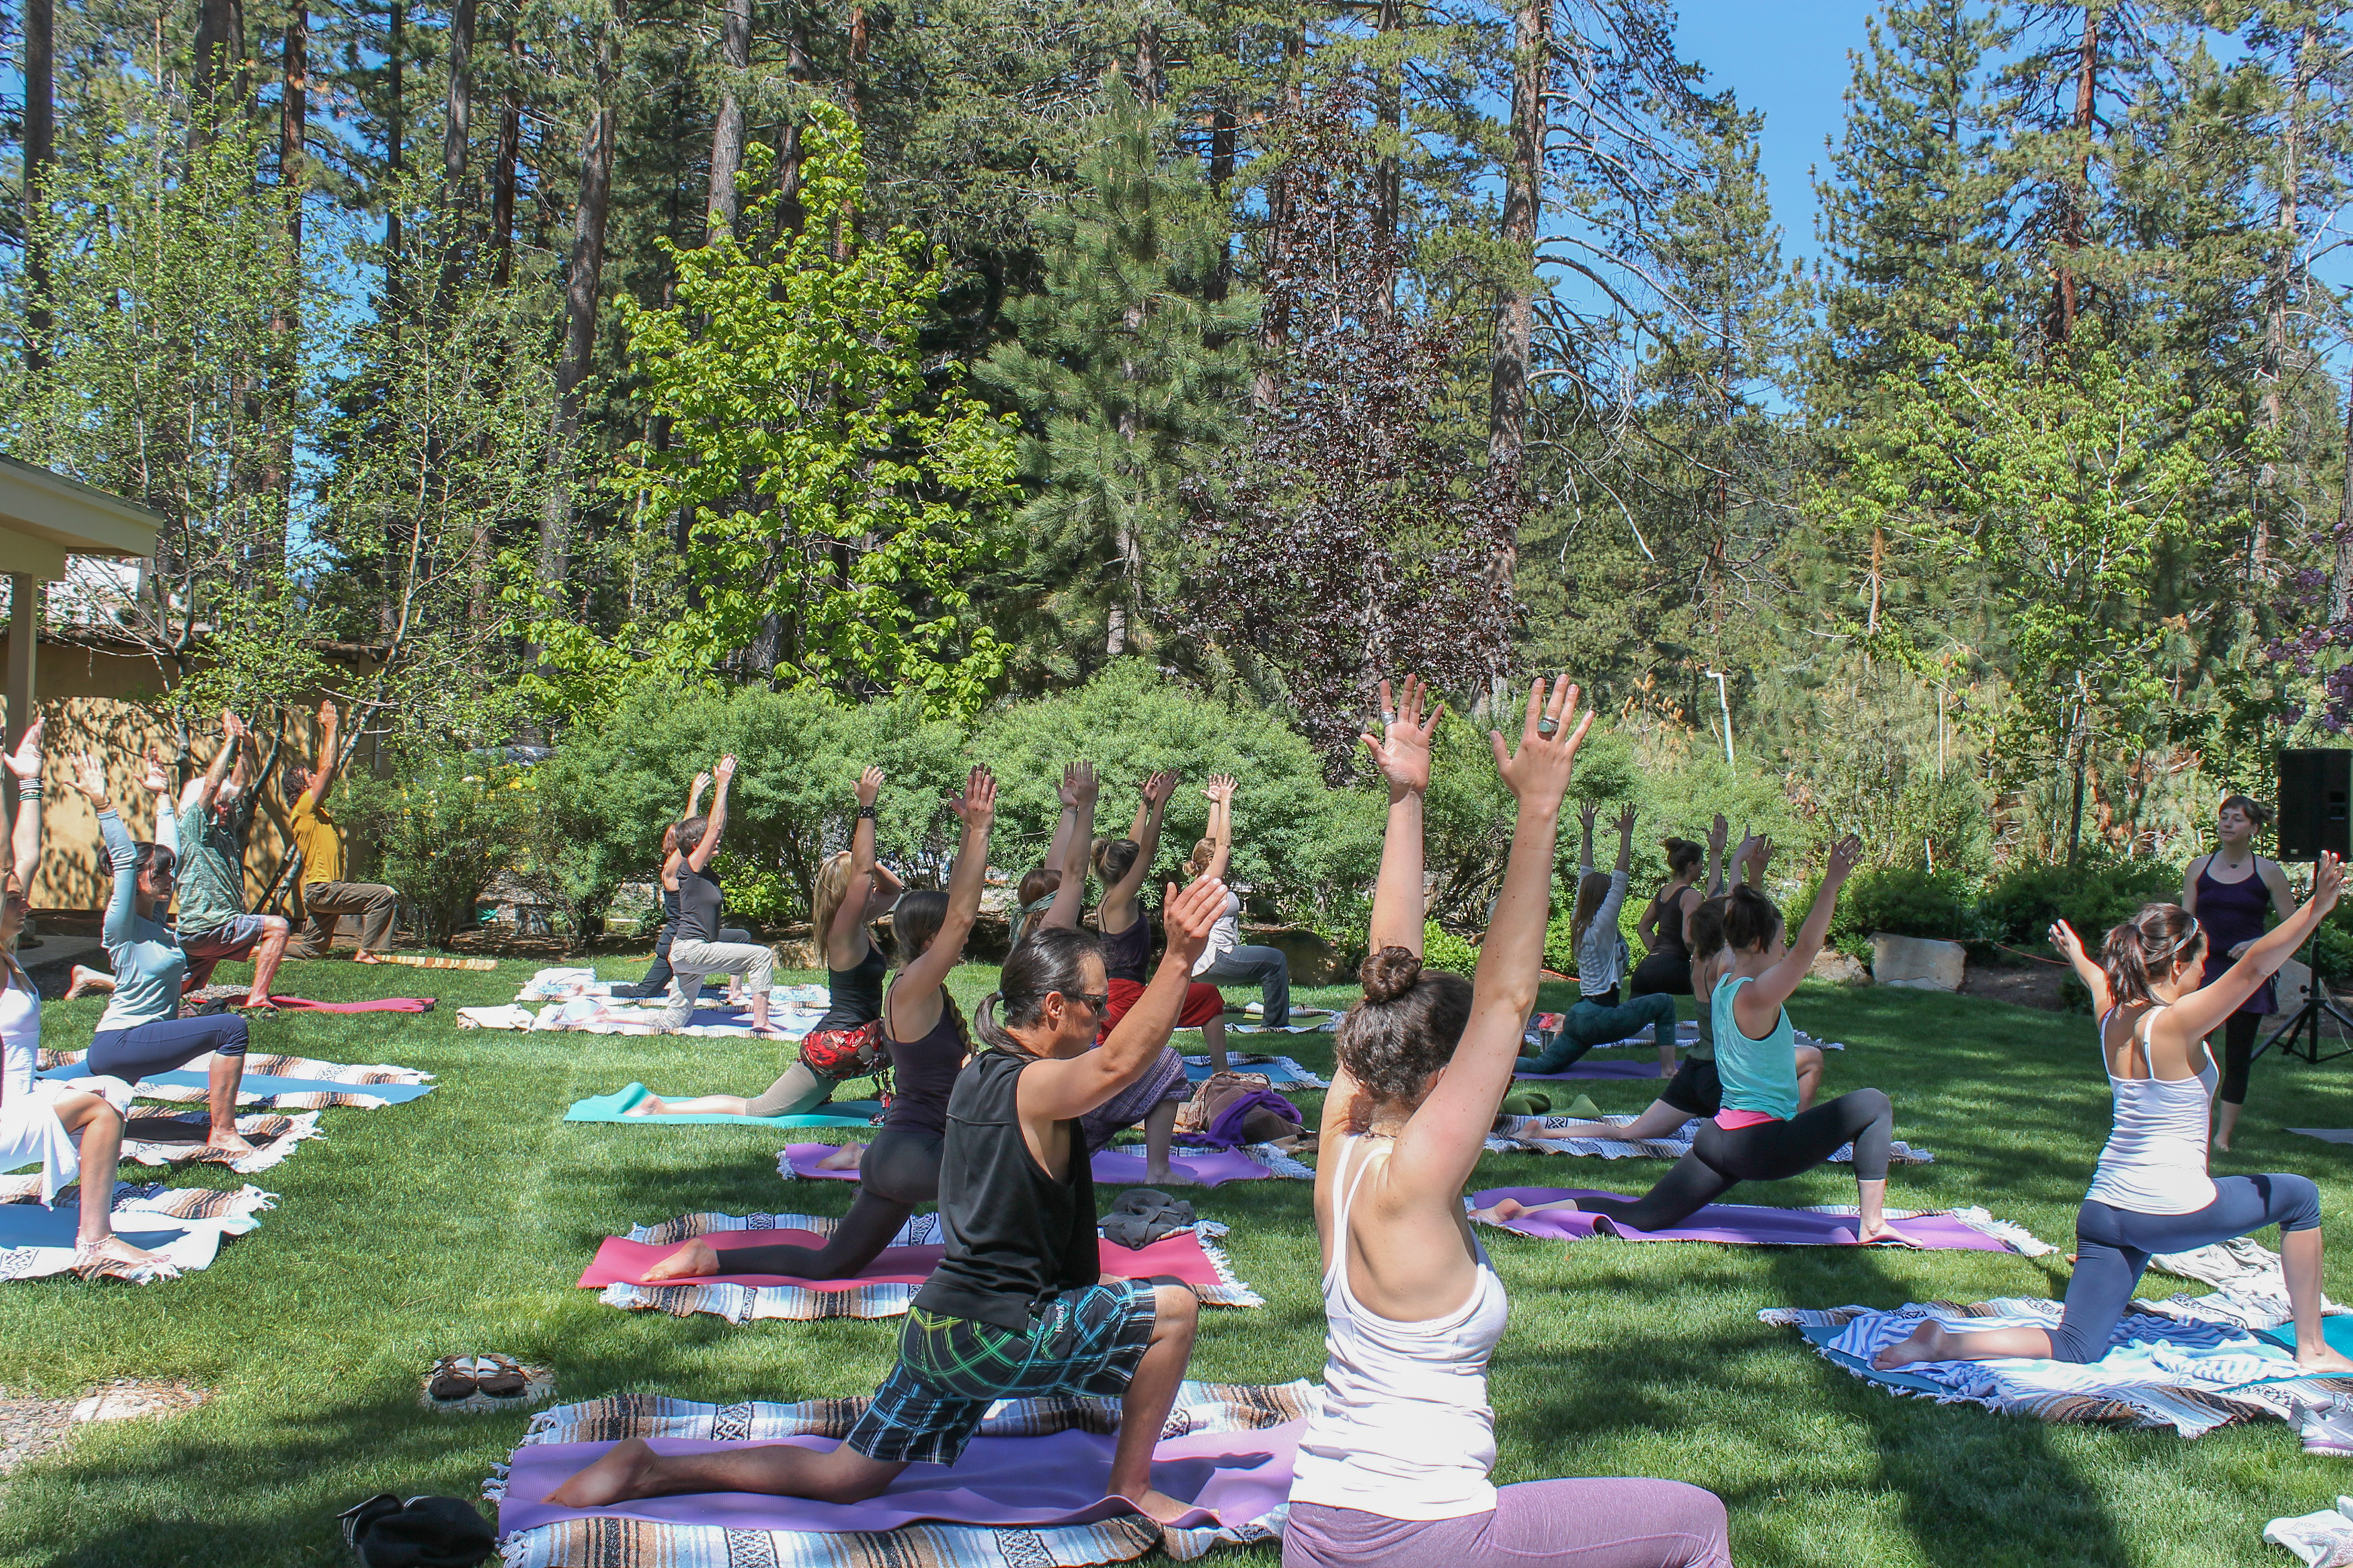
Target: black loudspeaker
point(2316, 805)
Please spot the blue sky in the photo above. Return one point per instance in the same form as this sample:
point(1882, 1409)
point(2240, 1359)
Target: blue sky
point(1789, 59)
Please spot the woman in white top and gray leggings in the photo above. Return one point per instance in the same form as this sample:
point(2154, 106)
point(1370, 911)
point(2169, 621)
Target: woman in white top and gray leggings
point(701, 946)
point(1393, 1469)
point(2151, 1192)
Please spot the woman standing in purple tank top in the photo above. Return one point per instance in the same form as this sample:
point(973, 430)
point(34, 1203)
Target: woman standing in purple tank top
point(2229, 892)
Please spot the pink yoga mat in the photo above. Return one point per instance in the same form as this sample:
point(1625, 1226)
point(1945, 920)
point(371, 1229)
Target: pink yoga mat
point(380, 1005)
point(1111, 1168)
point(1586, 1066)
point(1229, 1477)
point(620, 1262)
point(1735, 1223)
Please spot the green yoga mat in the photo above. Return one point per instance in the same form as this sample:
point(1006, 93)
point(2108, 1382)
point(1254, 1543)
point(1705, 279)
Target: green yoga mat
point(614, 1107)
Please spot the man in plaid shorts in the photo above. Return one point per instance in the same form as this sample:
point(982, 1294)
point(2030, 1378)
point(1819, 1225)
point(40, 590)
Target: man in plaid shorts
point(1019, 1308)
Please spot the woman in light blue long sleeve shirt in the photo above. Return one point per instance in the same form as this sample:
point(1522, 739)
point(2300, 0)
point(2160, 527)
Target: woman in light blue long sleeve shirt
point(143, 1031)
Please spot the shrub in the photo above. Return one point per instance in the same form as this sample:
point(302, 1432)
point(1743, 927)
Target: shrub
point(1560, 944)
point(2026, 895)
point(2332, 953)
point(1902, 901)
point(441, 832)
point(1442, 949)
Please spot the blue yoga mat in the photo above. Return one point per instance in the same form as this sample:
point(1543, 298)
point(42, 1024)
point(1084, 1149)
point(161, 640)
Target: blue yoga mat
point(1198, 1069)
point(2336, 1330)
point(1904, 1380)
point(265, 1083)
point(30, 1225)
point(614, 1107)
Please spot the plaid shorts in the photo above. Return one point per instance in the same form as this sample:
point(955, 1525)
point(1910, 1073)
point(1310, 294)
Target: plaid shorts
point(951, 1370)
point(233, 938)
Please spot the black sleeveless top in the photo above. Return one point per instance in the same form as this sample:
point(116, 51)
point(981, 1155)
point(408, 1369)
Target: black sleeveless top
point(1669, 927)
point(926, 1071)
point(1127, 954)
point(1016, 1236)
point(699, 899)
point(855, 995)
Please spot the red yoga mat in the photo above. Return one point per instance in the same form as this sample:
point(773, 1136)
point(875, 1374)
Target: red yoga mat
point(380, 1005)
point(622, 1262)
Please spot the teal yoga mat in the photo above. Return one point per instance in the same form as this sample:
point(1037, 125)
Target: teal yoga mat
point(2336, 1330)
point(614, 1107)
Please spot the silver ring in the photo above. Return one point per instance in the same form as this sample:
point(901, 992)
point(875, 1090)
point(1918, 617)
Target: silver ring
point(1388, 717)
point(1548, 725)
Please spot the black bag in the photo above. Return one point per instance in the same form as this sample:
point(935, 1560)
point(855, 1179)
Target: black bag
point(423, 1532)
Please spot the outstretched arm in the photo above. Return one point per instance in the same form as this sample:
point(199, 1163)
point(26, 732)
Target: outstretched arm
point(2202, 1012)
point(851, 911)
point(1443, 1140)
point(694, 793)
point(1149, 815)
point(1079, 790)
point(24, 847)
point(1759, 1004)
point(1221, 824)
point(1061, 1087)
point(698, 854)
point(323, 771)
point(232, 747)
point(918, 984)
point(1717, 832)
point(2095, 978)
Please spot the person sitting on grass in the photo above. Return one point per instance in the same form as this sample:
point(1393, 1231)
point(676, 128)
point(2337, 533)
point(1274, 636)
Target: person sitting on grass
point(1393, 1468)
point(1759, 1134)
point(42, 1121)
point(141, 1031)
point(2151, 1192)
point(1019, 1307)
point(326, 897)
point(1696, 1089)
point(1598, 1019)
point(214, 923)
point(924, 1031)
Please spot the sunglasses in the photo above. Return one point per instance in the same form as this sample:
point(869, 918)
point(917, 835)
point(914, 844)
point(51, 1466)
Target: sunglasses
point(1094, 1003)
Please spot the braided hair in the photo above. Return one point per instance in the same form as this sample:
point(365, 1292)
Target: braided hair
point(1406, 1027)
point(2146, 948)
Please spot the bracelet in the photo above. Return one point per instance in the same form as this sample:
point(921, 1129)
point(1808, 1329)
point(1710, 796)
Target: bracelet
point(28, 791)
point(866, 813)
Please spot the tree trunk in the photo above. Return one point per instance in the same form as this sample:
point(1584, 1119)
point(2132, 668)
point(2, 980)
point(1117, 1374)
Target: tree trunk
point(459, 119)
point(850, 100)
point(580, 292)
point(2340, 573)
point(1222, 147)
point(727, 133)
point(1507, 387)
point(1147, 65)
point(395, 133)
point(1275, 324)
point(1388, 108)
point(790, 214)
point(2279, 289)
point(293, 131)
point(217, 45)
point(502, 179)
point(40, 154)
point(2064, 300)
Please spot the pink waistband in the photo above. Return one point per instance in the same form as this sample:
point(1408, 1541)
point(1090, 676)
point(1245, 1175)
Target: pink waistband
point(1731, 1121)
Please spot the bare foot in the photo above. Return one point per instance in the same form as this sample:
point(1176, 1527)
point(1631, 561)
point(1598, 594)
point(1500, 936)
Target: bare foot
point(695, 1260)
point(616, 1477)
point(231, 1143)
point(258, 1002)
point(365, 958)
point(845, 1158)
point(1168, 1177)
point(1883, 1234)
point(1159, 1506)
point(1925, 1342)
point(651, 1105)
point(85, 981)
point(93, 1258)
point(2323, 1360)
point(2221, 1143)
point(1502, 1209)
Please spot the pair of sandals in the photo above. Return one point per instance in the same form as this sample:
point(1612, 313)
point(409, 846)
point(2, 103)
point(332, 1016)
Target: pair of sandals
point(456, 1377)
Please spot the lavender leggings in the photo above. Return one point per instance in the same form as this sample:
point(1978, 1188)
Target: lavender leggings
point(1628, 1523)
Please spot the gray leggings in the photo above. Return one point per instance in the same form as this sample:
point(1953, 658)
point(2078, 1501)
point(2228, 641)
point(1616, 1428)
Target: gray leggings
point(795, 1094)
point(690, 961)
point(1613, 1524)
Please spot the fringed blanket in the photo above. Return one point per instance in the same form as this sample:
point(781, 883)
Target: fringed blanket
point(2248, 1285)
point(153, 1139)
point(1515, 1134)
point(271, 1082)
point(1247, 1501)
point(2180, 1364)
point(1281, 1072)
point(888, 1284)
point(183, 1224)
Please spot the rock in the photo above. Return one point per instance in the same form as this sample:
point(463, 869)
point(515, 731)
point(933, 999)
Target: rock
point(1918, 961)
point(1838, 968)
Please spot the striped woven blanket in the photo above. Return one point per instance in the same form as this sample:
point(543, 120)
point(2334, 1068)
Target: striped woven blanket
point(185, 1225)
point(271, 1082)
point(1515, 1134)
point(605, 1543)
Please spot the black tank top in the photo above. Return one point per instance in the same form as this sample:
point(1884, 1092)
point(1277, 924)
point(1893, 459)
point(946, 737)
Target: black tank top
point(855, 995)
point(1016, 1236)
point(1125, 954)
point(926, 1071)
point(699, 899)
point(1669, 927)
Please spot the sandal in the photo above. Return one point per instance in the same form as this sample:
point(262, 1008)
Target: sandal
point(505, 1379)
point(453, 1379)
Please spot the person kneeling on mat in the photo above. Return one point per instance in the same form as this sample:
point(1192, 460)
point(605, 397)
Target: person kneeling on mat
point(1019, 1308)
point(2150, 1192)
point(141, 1031)
point(1598, 1019)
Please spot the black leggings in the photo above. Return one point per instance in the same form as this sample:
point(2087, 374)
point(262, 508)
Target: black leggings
point(1768, 1151)
point(657, 980)
point(2239, 1031)
point(162, 1045)
point(900, 1170)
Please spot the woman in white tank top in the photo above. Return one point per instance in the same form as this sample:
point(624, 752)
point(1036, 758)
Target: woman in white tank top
point(1393, 1468)
point(2151, 1192)
point(41, 1122)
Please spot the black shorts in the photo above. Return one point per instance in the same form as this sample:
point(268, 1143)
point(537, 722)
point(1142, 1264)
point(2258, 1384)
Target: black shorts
point(1694, 1090)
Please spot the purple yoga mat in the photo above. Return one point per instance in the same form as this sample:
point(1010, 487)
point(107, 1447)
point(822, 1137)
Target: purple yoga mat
point(1124, 1170)
point(1228, 1476)
point(1735, 1223)
point(1586, 1066)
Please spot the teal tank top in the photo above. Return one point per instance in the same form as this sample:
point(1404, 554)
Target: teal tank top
point(1757, 1075)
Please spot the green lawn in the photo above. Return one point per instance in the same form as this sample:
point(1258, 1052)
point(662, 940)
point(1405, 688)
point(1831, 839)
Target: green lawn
point(459, 1223)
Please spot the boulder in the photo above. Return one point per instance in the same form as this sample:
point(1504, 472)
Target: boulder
point(1838, 968)
point(1918, 961)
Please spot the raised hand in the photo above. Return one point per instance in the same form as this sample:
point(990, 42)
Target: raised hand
point(232, 727)
point(1585, 813)
point(1845, 855)
point(327, 713)
point(976, 807)
point(1718, 833)
point(25, 761)
point(1080, 785)
point(1402, 753)
point(701, 783)
point(870, 786)
point(1626, 821)
point(2327, 881)
point(1191, 916)
point(1159, 786)
point(1220, 789)
point(2062, 937)
point(89, 777)
point(726, 769)
point(1538, 772)
point(1760, 852)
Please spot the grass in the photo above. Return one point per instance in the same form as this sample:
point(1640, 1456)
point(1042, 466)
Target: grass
point(457, 1223)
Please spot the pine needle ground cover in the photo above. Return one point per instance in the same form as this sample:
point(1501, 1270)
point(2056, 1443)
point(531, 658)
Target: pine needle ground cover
point(457, 1224)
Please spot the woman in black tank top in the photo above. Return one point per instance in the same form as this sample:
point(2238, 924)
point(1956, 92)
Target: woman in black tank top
point(1667, 969)
point(923, 1032)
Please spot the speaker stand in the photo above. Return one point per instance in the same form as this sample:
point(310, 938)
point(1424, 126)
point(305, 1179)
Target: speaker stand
point(2300, 1036)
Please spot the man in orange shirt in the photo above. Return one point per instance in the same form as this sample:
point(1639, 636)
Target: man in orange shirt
point(325, 895)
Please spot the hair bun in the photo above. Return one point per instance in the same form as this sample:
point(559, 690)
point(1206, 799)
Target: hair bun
point(1391, 973)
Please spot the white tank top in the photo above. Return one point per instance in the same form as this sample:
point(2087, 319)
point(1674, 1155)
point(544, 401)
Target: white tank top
point(20, 1036)
point(1405, 1430)
point(2155, 1162)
